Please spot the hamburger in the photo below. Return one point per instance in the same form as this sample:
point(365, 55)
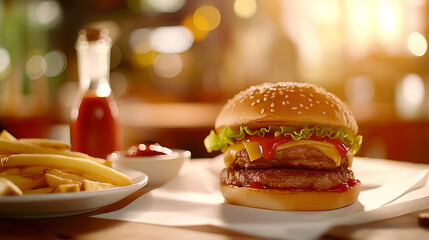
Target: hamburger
point(287, 146)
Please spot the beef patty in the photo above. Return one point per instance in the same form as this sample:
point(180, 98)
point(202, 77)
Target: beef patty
point(278, 178)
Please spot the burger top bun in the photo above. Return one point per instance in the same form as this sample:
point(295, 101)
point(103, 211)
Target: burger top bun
point(286, 104)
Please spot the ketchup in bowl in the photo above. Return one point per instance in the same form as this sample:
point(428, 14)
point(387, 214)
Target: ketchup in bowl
point(147, 150)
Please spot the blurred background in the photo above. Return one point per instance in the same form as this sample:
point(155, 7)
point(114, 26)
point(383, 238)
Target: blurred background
point(174, 63)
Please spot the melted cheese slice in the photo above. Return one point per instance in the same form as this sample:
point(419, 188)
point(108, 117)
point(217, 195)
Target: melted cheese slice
point(254, 151)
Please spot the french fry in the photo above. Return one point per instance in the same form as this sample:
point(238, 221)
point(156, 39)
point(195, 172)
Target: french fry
point(55, 181)
point(26, 183)
point(58, 161)
point(93, 177)
point(62, 174)
point(8, 188)
point(33, 170)
point(7, 136)
point(10, 171)
point(65, 188)
point(38, 191)
point(94, 186)
point(41, 166)
point(7, 146)
point(48, 143)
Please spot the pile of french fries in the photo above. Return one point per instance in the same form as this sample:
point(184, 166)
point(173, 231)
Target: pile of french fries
point(39, 166)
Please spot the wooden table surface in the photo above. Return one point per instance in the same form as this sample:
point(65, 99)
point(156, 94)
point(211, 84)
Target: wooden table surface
point(86, 227)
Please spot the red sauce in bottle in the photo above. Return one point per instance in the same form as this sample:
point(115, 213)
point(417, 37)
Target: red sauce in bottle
point(94, 125)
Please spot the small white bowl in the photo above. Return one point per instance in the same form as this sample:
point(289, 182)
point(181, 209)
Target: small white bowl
point(159, 168)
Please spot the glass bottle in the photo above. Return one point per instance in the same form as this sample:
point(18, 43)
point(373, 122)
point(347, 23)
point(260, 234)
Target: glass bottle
point(94, 124)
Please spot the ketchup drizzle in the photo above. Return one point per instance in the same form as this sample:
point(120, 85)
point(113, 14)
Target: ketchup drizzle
point(269, 144)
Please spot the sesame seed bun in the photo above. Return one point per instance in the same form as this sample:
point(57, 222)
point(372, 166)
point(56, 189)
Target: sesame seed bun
point(286, 103)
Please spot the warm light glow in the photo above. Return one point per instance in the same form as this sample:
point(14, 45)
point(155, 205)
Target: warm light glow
point(56, 63)
point(140, 40)
point(166, 5)
point(245, 8)
point(46, 12)
point(390, 24)
point(119, 84)
point(175, 39)
point(359, 89)
point(410, 93)
point(36, 67)
point(417, 44)
point(4, 61)
point(168, 65)
point(199, 34)
point(327, 11)
point(207, 18)
point(145, 59)
point(103, 89)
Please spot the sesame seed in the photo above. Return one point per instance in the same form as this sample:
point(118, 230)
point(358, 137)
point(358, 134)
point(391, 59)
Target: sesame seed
point(301, 90)
point(311, 104)
point(283, 102)
point(332, 105)
point(253, 104)
point(326, 102)
point(265, 99)
point(272, 110)
point(299, 113)
point(242, 100)
point(272, 104)
point(258, 100)
point(323, 112)
point(306, 108)
point(294, 108)
point(311, 95)
point(281, 92)
point(286, 96)
point(317, 101)
point(301, 105)
point(310, 100)
point(262, 111)
point(291, 90)
point(302, 95)
point(287, 102)
point(251, 97)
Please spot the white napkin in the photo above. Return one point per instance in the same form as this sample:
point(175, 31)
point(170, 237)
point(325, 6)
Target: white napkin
point(390, 189)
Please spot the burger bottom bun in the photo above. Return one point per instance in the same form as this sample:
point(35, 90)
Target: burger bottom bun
point(283, 200)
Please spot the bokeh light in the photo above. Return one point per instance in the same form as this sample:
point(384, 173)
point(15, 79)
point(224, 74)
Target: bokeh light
point(417, 44)
point(4, 62)
point(199, 34)
point(145, 59)
point(56, 63)
point(167, 6)
point(409, 96)
point(359, 89)
point(168, 65)
point(207, 18)
point(119, 84)
point(245, 8)
point(46, 13)
point(140, 40)
point(36, 67)
point(175, 39)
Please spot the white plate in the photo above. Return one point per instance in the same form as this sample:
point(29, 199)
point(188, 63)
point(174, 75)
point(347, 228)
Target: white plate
point(66, 204)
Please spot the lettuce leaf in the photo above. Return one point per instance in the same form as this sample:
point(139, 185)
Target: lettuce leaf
point(216, 142)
